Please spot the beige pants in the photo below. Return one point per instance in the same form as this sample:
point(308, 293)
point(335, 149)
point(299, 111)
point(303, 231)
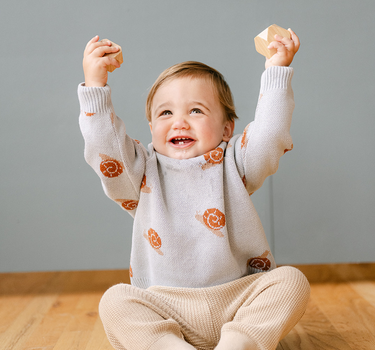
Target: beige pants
point(260, 308)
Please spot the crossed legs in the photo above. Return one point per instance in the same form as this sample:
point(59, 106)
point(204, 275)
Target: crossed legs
point(252, 313)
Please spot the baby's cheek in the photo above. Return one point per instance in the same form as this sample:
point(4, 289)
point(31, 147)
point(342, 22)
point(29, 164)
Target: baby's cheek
point(213, 136)
point(157, 135)
point(157, 145)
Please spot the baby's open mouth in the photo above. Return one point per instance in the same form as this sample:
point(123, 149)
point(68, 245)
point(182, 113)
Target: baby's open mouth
point(181, 141)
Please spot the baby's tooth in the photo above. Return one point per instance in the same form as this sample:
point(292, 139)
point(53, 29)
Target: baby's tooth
point(181, 143)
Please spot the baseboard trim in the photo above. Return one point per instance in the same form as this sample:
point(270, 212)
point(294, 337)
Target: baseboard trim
point(336, 273)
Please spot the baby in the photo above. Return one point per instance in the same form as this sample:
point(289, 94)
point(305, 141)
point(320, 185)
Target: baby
point(202, 273)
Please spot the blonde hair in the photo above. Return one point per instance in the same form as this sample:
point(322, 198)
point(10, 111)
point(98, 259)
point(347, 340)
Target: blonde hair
point(196, 70)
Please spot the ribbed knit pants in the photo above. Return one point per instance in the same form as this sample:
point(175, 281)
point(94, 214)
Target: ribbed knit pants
point(254, 312)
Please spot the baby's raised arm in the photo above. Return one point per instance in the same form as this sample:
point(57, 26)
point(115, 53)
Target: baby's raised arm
point(95, 65)
point(267, 138)
point(118, 159)
point(286, 49)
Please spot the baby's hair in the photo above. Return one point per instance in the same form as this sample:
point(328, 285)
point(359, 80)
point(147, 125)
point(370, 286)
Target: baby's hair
point(196, 70)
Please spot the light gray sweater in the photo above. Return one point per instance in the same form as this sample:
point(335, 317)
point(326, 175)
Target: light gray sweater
point(194, 222)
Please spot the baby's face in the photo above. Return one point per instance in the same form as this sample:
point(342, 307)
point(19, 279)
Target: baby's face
point(187, 119)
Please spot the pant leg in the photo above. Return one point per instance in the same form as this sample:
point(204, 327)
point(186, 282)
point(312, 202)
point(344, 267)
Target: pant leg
point(269, 308)
point(134, 319)
point(191, 310)
point(138, 319)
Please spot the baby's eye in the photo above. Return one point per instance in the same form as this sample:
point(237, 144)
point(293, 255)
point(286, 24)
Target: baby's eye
point(166, 113)
point(195, 110)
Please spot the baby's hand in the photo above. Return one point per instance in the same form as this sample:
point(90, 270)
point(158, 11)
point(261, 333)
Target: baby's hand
point(95, 65)
point(286, 49)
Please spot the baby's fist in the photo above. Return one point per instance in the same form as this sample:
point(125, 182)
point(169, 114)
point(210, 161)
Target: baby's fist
point(286, 49)
point(95, 65)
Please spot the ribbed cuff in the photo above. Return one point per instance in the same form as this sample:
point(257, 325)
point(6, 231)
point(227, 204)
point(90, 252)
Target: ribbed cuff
point(95, 99)
point(276, 78)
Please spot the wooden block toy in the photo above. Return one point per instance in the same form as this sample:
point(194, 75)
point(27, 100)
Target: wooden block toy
point(265, 38)
point(116, 55)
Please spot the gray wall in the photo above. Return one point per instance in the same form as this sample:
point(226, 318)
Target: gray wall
point(318, 208)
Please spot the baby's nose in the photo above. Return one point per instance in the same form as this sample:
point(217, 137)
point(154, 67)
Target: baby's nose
point(180, 122)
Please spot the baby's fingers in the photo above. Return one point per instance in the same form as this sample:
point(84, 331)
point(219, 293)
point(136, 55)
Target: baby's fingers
point(99, 48)
point(295, 40)
point(90, 45)
point(286, 42)
point(105, 48)
point(276, 45)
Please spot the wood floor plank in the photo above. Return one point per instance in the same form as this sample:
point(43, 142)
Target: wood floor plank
point(85, 313)
point(105, 345)
point(27, 321)
point(296, 339)
point(79, 330)
point(54, 322)
point(351, 315)
point(72, 340)
point(10, 307)
point(314, 331)
point(366, 289)
point(98, 339)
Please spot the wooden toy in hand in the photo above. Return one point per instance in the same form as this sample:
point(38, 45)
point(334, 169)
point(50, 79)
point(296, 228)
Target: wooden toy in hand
point(116, 55)
point(263, 39)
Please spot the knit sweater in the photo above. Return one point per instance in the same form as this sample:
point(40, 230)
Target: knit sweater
point(194, 222)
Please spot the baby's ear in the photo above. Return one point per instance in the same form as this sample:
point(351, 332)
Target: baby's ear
point(228, 130)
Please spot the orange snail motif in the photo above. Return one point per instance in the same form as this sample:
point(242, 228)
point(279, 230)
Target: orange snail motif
point(129, 204)
point(260, 262)
point(110, 167)
point(215, 156)
point(143, 184)
point(214, 219)
point(144, 187)
point(154, 240)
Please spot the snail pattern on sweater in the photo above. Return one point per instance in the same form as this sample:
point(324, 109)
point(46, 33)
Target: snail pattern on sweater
point(260, 262)
point(213, 158)
point(127, 204)
point(144, 187)
point(110, 167)
point(213, 219)
point(154, 240)
point(194, 222)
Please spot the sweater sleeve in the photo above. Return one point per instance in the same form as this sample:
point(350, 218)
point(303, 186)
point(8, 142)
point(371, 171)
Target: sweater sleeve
point(267, 138)
point(118, 160)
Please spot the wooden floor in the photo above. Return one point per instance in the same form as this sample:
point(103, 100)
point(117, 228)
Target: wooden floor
point(58, 310)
